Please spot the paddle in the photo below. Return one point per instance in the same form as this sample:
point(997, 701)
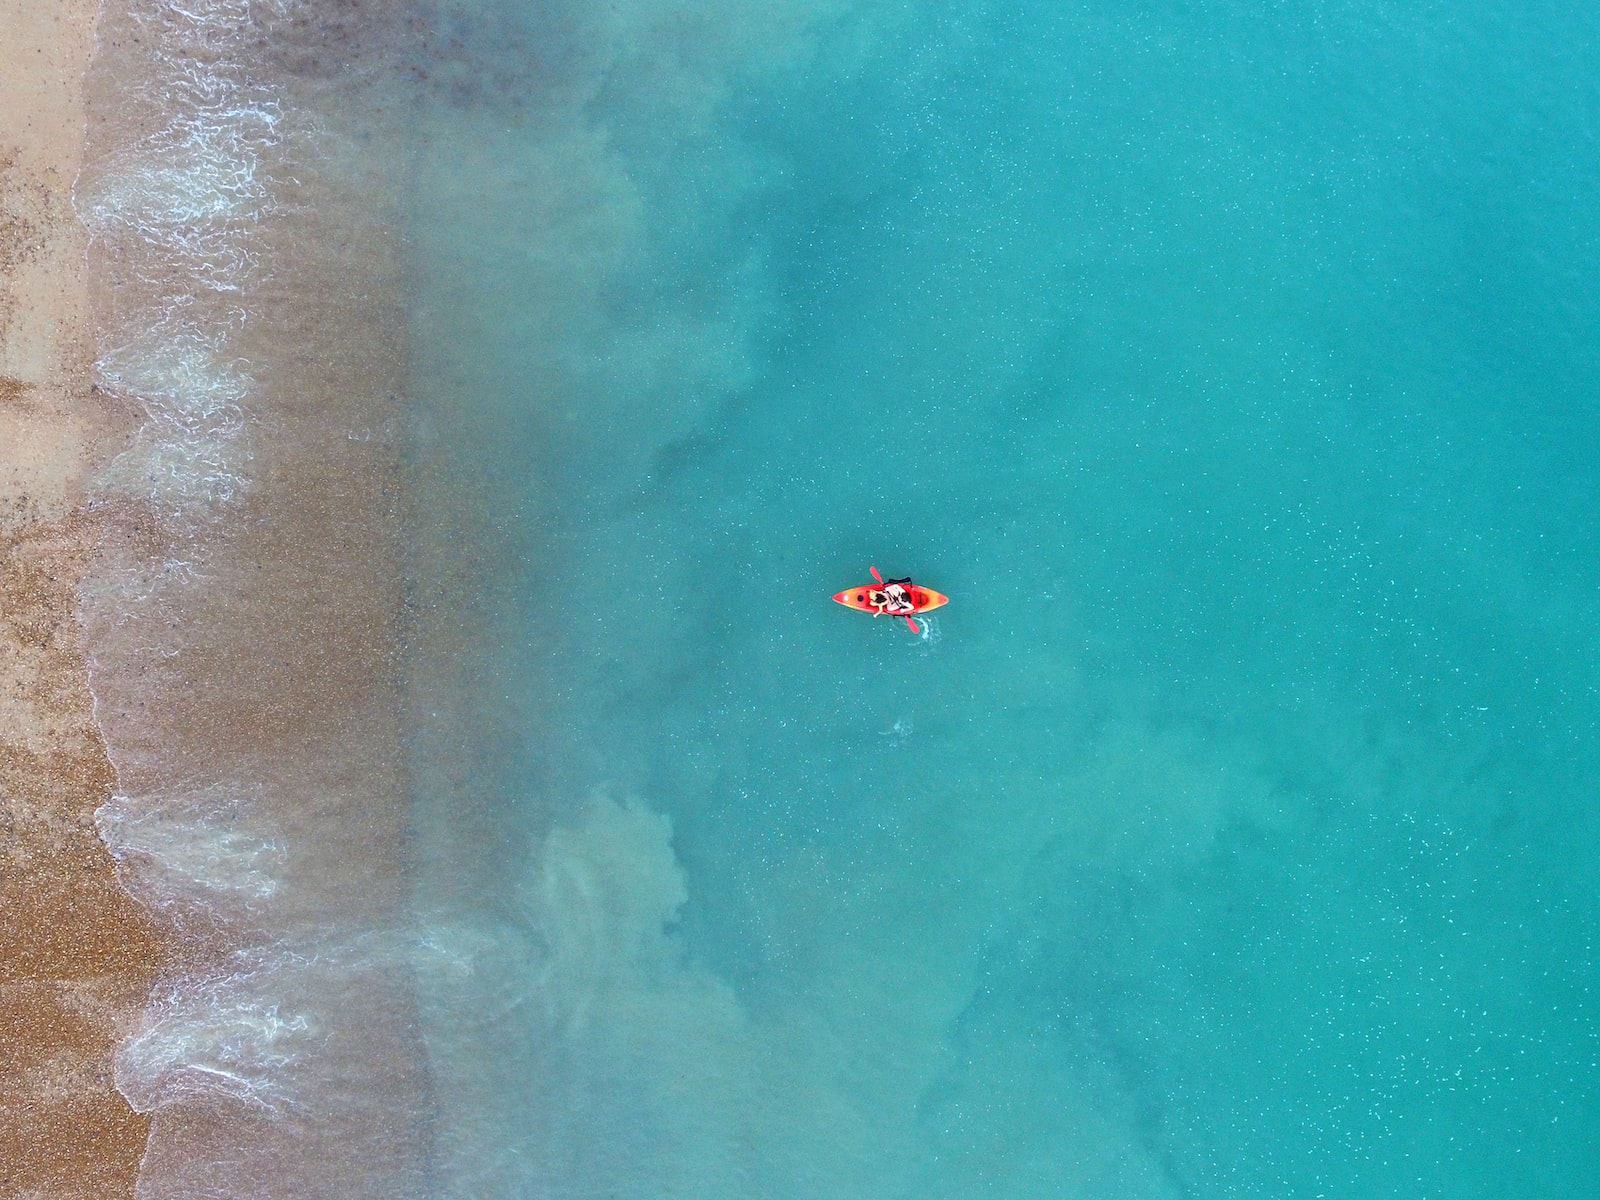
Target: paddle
point(912, 624)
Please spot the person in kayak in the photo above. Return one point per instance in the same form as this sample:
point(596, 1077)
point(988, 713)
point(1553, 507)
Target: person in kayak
point(894, 599)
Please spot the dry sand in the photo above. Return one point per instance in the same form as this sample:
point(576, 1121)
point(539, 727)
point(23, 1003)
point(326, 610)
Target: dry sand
point(76, 954)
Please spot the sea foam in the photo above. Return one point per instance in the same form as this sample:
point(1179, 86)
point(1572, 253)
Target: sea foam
point(257, 812)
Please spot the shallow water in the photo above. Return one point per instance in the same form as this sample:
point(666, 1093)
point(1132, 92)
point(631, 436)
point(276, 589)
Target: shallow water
point(1232, 832)
point(1229, 833)
point(244, 616)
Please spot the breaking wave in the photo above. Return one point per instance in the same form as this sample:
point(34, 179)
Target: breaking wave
point(257, 813)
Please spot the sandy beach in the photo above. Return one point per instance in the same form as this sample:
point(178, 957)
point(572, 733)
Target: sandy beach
point(76, 954)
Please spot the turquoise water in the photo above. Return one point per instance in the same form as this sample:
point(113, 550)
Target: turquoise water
point(1233, 368)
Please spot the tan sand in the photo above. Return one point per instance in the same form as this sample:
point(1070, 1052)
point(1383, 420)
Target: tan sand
point(76, 954)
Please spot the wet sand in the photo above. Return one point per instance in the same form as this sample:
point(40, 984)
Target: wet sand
point(76, 954)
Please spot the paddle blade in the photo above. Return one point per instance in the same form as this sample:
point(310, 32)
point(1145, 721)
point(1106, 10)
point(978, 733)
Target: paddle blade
point(913, 625)
point(875, 574)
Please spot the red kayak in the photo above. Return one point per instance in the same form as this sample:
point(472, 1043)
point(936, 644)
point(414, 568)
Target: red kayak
point(870, 597)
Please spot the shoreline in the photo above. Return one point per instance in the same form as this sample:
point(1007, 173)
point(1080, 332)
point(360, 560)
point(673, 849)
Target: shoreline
point(244, 616)
point(201, 777)
point(77, 954)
